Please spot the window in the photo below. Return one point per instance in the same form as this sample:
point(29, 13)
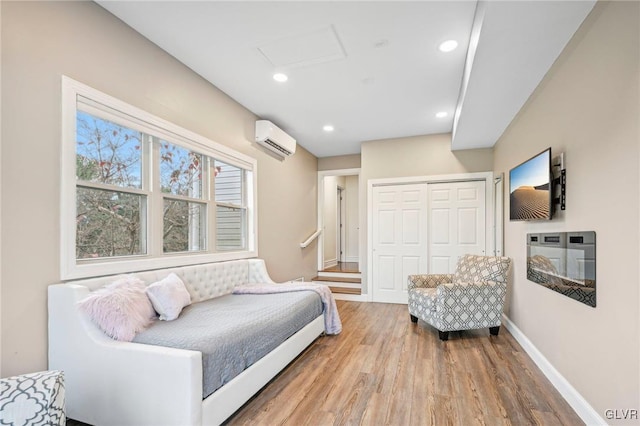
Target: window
point(184, 208)
point(140, 193)
point(110, 199)
point(230, 207)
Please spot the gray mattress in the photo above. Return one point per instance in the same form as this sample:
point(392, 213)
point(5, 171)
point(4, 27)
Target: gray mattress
point(234, 331)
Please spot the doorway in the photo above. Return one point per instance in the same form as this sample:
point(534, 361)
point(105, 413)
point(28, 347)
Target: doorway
point(339, 212)
point(339, 219)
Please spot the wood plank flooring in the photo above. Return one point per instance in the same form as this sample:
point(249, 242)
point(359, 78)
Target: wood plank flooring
point(384, 370)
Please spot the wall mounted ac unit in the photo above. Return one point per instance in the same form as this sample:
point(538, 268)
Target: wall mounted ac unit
point(275, 139)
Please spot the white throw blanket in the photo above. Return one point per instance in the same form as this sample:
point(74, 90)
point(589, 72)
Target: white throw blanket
point(332, 323)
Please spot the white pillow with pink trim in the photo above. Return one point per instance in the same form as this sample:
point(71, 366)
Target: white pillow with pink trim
point(168, 297)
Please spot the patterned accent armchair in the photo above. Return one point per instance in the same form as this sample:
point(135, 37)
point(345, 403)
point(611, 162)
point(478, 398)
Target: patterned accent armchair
point(471, 298)
point(33, 399)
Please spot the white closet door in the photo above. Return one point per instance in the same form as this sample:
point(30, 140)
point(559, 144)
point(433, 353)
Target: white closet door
point(457, 223)
point(399, 232)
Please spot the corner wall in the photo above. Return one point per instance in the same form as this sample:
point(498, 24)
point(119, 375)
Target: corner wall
point(339, 162)
point(41, 41)
point(587, 107)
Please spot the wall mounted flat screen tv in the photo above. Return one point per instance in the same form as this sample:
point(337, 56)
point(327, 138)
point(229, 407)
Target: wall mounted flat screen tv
point(530, 189)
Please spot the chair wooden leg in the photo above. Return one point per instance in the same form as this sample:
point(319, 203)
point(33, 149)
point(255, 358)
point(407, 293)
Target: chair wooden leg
point(413, 318)
point(444, 335)
point(494, 330)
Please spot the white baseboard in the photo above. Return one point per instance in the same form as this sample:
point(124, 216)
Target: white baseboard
point(580, 405)
point(352, 259)
point(331, 262)
point(351, 297)
point(337, 284)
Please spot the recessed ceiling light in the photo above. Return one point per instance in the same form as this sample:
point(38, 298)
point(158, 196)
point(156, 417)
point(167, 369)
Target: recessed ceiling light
point(442, 114)
point(327, 128)
point(280, 77)
point(448, 46)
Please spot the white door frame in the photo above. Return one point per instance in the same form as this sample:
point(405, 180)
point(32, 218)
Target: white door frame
point(490, 202)
point(320, 214)
point(498, 223)
point(341, 230)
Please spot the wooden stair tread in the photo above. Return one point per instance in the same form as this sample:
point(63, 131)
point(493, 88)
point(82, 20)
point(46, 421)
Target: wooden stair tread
point(352, 271)
point(345, 290)
point(338, 280)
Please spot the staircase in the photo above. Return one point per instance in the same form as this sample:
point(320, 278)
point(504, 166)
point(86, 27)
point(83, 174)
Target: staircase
point(345, 283)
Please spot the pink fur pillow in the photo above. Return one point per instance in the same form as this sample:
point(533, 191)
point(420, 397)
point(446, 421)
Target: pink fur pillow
point(121, 309)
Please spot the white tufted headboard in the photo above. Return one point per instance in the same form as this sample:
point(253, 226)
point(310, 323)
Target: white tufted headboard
point(204, 281)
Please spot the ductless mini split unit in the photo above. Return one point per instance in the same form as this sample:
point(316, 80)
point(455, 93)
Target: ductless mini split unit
point(275, 139)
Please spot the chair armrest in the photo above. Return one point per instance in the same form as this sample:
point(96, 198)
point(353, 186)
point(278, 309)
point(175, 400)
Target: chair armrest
point(483, 289)
point(428, 280)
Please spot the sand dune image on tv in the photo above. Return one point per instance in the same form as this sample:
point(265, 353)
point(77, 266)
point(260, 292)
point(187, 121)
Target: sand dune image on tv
point(530, 202)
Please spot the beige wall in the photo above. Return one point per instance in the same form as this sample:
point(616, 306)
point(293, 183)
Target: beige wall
point(587, 107)
point(413, 156)
point(339, 162)
point(41, 41)
point(420, 156)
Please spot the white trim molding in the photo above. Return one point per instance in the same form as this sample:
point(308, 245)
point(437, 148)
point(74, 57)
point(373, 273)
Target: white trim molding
point(1, 375)
point(330, 263)
point(580, 405)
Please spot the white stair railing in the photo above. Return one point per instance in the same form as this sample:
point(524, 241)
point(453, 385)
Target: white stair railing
point(311, 238)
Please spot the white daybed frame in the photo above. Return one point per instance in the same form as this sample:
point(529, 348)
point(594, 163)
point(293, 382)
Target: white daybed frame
point(120, 383)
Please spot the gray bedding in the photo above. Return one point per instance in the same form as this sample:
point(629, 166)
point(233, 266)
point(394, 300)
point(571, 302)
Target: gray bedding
point(234, 331)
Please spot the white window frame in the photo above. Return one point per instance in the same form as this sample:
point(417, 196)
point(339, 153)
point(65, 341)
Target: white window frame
point(70, 268)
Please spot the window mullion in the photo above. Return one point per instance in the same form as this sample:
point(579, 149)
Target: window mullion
point(112, 188)
point(156, 202)
point(206, 199)
point(230, 205)
point(250, 189)
point(211, 205)
point(245, 225)
point(168, 196)
point(245, 217)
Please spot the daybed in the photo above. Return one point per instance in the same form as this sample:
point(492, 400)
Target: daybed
point(128, 383)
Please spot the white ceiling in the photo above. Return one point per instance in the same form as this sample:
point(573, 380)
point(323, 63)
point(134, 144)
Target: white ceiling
point(371, 69)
